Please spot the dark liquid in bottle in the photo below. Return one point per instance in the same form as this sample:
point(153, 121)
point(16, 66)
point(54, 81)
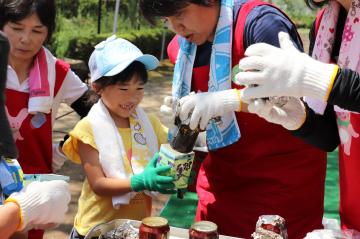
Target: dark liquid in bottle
point(184, 138)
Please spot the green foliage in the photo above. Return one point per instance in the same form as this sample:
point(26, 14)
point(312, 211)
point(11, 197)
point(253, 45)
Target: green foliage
point(128, 13)
point(88, 8)
point(67, 29)
point(148, 40)
point(297, 10)
point(68, 8)
point(77, 25)
point(81, 22)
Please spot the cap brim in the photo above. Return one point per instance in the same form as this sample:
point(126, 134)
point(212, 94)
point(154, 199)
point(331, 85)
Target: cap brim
point(150, 62)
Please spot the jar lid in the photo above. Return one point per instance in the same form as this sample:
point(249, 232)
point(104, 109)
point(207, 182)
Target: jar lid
point(204, 226)
point(155, 221)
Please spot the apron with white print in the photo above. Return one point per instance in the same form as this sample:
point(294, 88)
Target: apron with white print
point(32, 133)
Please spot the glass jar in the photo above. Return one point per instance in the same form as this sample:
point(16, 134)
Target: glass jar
point(154, 228)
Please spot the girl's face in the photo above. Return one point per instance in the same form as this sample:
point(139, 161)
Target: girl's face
point(122, 99)
point(26, 37)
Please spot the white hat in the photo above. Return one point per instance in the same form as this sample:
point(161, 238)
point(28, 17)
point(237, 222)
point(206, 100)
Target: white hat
point(113, 55)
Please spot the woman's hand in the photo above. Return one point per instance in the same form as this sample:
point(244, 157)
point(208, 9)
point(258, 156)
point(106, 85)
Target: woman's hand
point(290, 113)
point(42, 203)
point(207, 105)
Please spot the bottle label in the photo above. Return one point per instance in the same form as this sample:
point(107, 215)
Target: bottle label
point(180, 163)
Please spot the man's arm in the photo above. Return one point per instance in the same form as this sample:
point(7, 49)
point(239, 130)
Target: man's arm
point(263, 25)
point(345, 92)
point(9, 219)
point(318, 130)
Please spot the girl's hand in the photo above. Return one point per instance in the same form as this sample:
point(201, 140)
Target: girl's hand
point(152, 180)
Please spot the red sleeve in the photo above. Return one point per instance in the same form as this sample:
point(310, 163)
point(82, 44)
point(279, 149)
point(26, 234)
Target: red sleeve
point(173, 49)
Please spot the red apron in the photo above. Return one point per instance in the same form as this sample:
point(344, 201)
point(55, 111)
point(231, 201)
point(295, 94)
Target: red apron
point(268, 171)
point(33, 133)
point(349, 171)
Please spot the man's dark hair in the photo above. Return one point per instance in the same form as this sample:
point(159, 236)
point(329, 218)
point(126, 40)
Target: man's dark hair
point(17, 10)
point(166, 8)
point(312, 4)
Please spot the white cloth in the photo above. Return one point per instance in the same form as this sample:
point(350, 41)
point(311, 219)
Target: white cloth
point(111, 148)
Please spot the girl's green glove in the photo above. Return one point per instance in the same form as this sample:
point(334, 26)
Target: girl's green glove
point(152, 180)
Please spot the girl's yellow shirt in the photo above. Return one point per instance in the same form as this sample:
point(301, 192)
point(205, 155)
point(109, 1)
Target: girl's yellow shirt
point(93, 209)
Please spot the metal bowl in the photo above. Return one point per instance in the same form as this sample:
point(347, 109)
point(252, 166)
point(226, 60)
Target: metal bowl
point(103, 228)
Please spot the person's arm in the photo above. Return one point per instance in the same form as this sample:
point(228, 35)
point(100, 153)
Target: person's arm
point(83, 104)
point(293, 114)
point(312, 38)
point(150, 179)
point(320, 130)
point(99, 183)
point(263, 25)
point(7, 144)
point(80, 98)
point(38, 204)
point(9, 219)
point(345, 92)
point(346, 87)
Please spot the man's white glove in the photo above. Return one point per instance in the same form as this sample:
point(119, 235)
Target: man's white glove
point(42, 203)
point(291, 115)
point(284, 71)
point(58, 158)
point(206, 105)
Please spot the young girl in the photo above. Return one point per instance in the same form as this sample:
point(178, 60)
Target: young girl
point(116, 141)
point(37, 83)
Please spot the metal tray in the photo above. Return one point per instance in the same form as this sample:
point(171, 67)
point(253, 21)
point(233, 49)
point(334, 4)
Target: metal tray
point(175, 232)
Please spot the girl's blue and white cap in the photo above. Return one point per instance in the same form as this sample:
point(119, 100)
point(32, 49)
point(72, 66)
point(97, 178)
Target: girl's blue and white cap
point(113, 55)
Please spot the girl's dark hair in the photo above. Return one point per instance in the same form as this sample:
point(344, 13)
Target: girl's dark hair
point(17, 10)
point(311, 4)
point(166, 8)
point(135, 68)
